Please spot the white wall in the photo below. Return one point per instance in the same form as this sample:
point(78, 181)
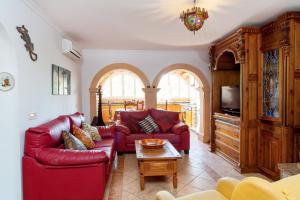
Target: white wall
point(33, 87)
point(150, 62)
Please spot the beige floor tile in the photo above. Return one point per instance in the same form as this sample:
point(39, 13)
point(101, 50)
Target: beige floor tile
point(197, 171)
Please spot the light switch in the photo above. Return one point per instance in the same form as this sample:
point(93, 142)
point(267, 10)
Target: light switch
point(32, 116)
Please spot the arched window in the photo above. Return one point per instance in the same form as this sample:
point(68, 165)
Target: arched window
point(122, 85)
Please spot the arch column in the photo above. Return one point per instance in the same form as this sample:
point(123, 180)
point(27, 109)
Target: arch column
point(150, 97)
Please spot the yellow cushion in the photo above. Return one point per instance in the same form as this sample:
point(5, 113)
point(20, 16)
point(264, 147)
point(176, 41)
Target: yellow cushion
point(206, 195)
point(254, 188)
point(290, 187)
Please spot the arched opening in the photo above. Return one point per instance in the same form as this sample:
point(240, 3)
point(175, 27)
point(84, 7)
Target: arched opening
point(122, 85)
point(184, 88)
point(181, 91)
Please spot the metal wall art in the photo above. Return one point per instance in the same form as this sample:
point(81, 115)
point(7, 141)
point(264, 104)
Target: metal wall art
point(28, 44)
point(7, 81)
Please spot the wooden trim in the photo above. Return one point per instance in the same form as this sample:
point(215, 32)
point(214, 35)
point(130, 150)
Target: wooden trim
point(252, 77)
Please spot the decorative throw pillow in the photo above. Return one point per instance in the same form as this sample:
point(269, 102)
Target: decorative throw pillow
point(153, 124)
point(92, 131)
point(148, 125)
point(71, 142)
point(84, 137)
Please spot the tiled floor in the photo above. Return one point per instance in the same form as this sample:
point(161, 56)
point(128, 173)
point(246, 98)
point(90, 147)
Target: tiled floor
point(196, 172)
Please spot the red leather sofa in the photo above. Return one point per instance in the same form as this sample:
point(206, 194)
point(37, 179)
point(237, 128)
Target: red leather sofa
point(51, 172)
point(171, 128)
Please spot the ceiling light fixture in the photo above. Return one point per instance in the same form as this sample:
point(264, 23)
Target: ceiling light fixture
point(194, 18)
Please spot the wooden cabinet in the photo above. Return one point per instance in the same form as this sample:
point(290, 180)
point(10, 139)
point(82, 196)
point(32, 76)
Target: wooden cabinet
point(264, 62)
point(279, 92)
point(234, 61)
point(227, 137)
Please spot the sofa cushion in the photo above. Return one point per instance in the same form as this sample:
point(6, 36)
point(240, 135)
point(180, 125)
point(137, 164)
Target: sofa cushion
point(84, 137)
point(109, 142)
point(54, 156)
point(165, 119)
point(173, 138)
point(71, 142)
point(92, 131)
point(131, 119)
point(130, 139)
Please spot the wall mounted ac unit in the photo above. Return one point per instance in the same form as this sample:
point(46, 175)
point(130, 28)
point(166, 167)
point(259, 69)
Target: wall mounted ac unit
point(69, 50)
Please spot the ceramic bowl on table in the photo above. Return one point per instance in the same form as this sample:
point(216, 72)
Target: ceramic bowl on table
point(152, 143)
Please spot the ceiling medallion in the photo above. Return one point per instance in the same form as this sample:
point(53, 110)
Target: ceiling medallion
point(194, 18)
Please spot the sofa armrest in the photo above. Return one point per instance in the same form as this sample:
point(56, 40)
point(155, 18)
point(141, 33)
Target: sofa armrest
point(122, 128)
point(64, 157)
point(226, 186)
point(164, 195)
point(179, 128)
point(107, 131)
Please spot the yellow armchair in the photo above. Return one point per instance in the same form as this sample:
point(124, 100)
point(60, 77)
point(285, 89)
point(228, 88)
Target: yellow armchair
point(251, 188)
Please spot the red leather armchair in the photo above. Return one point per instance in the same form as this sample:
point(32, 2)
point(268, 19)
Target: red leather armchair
point(51, 172)
point(171, 128)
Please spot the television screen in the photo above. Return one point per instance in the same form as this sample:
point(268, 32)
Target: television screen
point(230, 98)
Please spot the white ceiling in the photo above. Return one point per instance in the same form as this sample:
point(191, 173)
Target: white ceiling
point(155, 24)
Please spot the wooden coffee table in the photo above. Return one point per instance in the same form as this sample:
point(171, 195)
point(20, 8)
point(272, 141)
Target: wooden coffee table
point(157, 162)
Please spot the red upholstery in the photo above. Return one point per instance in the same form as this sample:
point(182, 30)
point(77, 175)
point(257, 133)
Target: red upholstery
point(130, 139)
point(53, 156)
point(107, 131)
point(122, 128)
point(165, 119)
point(131, 119)
point(51, 172)
point(76, 119)
point(179, 128)
point(177, 132)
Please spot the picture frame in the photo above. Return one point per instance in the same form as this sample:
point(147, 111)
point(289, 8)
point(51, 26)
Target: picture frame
point(61, 81)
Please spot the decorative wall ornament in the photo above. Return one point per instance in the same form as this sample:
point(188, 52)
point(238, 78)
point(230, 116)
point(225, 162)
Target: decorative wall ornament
point(7, 81)
point(194, 18)
point(28, 44)
point(61, 81)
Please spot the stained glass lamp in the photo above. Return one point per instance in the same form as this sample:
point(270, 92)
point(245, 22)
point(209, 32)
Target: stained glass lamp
point(194, 18)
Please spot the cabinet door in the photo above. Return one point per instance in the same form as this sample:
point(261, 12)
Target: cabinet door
point(271, 85)
point(270, 151)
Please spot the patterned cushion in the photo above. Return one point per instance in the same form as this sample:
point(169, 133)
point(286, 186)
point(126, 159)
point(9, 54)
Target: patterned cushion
point(153, 124)
point(92, 131)
point(84, 137)
point(148, 125)
point(71, 142)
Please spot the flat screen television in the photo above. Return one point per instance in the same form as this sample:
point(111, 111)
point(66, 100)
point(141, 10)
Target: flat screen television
point(230, 99)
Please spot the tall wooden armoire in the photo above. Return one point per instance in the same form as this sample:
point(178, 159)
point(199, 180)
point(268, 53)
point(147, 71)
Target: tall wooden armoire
point(234, 61)
point(279, 93)
point(265, 63)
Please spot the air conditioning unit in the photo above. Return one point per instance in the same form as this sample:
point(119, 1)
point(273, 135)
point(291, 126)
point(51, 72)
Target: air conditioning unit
point(69, 50)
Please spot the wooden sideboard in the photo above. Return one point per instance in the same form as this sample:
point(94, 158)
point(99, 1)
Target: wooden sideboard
point(227, 137)
point(264, 62)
